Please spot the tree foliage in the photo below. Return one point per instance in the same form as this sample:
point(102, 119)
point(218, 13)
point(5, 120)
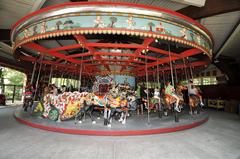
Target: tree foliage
point(12, 76)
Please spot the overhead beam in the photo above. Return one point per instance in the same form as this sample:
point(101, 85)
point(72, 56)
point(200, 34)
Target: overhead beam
point(6, 48)
point(197, 3)
point(137, 53)
point(45, 51)
point(37, 5)
point(69, 67)
point(100, 45)
point(212, 7)
point(178, 66)
point(7, 60)
point(114, 45)
point(83, 42)
point(234, 31)
point(125, 54)
point(187, 53)
point(164, 52)
point(145, 45)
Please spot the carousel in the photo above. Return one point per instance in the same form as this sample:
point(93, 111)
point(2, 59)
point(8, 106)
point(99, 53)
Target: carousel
point(113, 52)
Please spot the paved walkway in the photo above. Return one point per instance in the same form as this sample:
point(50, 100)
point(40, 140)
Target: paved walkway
point(10, 104)
point(219, 138)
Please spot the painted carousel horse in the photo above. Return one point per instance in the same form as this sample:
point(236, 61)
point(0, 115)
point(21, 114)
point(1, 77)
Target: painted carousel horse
point(155, 104)
point(63, 106)
point(116, 104)
point(89, 103)
point(179, 89)
point(110, 103)
point(112, 108)
point(168, 103)
point(132, 101)
point(93, 102)
point(194, 103)
point(28, 97)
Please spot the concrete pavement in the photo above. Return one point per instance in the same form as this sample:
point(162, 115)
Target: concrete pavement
point(219, 138)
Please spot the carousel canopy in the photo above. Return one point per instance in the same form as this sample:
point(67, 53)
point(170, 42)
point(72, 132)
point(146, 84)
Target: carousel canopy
point(111, 38)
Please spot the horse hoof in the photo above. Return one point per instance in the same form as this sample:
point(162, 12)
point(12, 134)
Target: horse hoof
point(124, 122)
point(80, 122)
point(98, 118)
point(120, 120)
point(190, 113)
point(93, 122)
point(109, 125)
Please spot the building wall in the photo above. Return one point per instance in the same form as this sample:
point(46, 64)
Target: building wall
point(213, 71)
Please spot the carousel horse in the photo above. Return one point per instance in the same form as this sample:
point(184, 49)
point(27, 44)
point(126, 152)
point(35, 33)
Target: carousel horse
point(63, 106)
point(116, 105)
point(28, 97)
point(154, 104)
point(114, 91)
point(169, 101)
point(87, 108)
point(194, 102)
point(91, 103)
point(111, 103)
point(132, 102)
point(179, 89)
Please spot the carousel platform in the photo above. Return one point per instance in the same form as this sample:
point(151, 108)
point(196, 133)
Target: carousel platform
point(135, 125)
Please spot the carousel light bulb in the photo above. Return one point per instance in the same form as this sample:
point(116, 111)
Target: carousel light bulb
point(156, 40)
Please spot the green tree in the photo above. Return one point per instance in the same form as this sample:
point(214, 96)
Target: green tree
point(13, 77)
